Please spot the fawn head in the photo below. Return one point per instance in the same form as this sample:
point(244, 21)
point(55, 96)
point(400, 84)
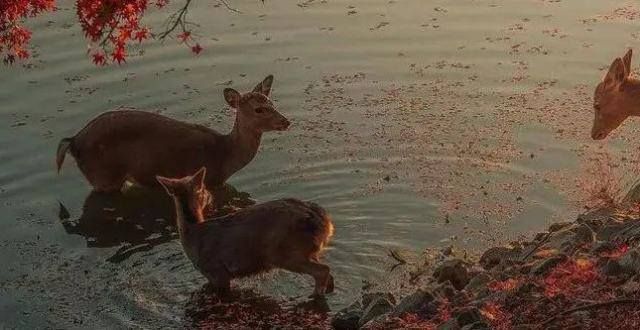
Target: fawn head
point(613, 100)
point(190, 190)
point(255, 109)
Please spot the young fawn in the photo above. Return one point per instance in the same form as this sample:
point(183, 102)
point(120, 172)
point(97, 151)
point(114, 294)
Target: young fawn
point(136, 145)
point(616, 98)
point(288, 234)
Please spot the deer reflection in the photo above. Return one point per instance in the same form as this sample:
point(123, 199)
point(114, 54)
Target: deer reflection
point(138, 218)
point(246, 309)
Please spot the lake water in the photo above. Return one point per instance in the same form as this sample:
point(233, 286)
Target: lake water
point(417, 124)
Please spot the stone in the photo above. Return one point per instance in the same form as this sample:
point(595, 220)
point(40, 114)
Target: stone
point(476, 326)
point(478, 282)
point(367, 298)
point(455, 271)
point(413, 302)
point(348, 318)
point(548, 264)
point(445, 290)
point(630, 261)
point(451, 324)
point(602, 247)
point(612, 268)
point(468, 315)
point(378, 306)
point(494, 256)
point(559, 226)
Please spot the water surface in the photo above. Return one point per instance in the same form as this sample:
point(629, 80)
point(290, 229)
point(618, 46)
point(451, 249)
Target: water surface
point(415, 123)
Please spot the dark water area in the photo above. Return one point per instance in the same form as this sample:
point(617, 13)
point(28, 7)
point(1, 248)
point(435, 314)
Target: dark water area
point(416, 124)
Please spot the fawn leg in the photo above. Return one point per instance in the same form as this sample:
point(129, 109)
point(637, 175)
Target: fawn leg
point(320, 272)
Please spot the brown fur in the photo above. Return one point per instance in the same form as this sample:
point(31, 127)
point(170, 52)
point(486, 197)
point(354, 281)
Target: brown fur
point(616, 98)
point(288, 234)
point(135, 145)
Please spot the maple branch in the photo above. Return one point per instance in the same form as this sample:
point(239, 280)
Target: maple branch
point(178, 18)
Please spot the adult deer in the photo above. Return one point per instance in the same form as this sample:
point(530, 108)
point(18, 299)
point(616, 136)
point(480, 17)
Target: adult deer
point(288, 234)
point(136, 145)
point(616, 98)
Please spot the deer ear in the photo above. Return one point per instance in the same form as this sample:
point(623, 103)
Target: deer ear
point(198, 179)
point(167, 184)
point(616, 74)
point(232, 97)
point(264, 87)
point(626, 60)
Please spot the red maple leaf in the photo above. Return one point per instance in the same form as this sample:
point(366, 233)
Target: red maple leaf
point(196, 49)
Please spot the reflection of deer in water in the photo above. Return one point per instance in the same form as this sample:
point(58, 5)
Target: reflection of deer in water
point(139, 218)
point(135, 146)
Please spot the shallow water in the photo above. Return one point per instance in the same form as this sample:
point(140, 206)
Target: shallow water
point(415, 123)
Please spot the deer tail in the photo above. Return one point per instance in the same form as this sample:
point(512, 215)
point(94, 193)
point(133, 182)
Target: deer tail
point(326, 224)
point(63, 148)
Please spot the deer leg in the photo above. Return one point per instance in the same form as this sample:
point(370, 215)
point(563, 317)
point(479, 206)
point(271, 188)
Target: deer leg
point(320, 272)
point(330, 284)
point(221, 283)
point(103, 177)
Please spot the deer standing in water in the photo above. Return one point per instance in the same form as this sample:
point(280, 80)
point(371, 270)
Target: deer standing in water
point(616, 98)
point(288, 234)
point(135, 145)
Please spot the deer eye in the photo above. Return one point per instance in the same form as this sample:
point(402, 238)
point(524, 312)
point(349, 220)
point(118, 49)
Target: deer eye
point(261, 110)
point(596, 106)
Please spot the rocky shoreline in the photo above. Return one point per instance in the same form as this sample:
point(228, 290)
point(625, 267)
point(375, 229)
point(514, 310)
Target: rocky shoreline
point(582, 274)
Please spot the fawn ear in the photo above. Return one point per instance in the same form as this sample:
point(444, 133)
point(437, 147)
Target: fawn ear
point(197, 180)
point(626, 60)
point(616, 74)
point(264, 87)
point(232, 97)
point(167, 184)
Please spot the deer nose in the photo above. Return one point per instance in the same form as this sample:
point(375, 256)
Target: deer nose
point(599, 135)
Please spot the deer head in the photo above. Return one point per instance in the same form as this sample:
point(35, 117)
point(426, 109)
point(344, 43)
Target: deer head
point(614, 99)
point(255, 110)
point(190, 191)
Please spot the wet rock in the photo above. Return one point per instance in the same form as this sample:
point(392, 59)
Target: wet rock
point(348, 318)
point(612, 268)
point(367, 298)
point(378, 322)
point(559, 226)
point(476, 326)
point(568, 239)
point(378, 306)
point(628, 232)
point(451, 324)
point(548, 264)
point(467, 316)
point(478, 282)
point(413, 303)
point(455, 271)
point(630, 262)
point(494, 256)
point(602, 247)
point(445, 290)
point(526, 289)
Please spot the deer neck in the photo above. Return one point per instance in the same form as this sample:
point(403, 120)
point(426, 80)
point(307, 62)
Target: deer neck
point(244, 143)
point(185, 219)
point(633, 90)
point(184, 216)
